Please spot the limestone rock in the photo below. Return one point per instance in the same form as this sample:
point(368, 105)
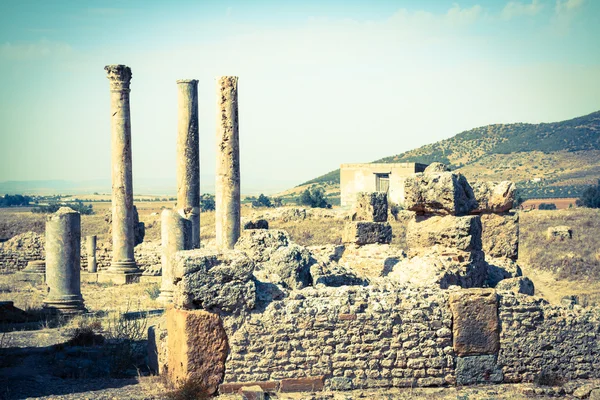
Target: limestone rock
point(157, 347)
point(334, 275)
point(260, 244)
point(494, 197)
point(327, 253)
point(460, 233)
point(444, 193)
point(477, 369)
point(367, 233)
point(441, 269)
point(197, 349)
point(520, 284)
point(371, 260)
point(252, 393)
point(435, 168)
point(288, 266)
point(475, 321)
point(218, 282)
point(257, 224)
point(370, 206)
point(559, 233)
point(501, 268)
point(500, 235)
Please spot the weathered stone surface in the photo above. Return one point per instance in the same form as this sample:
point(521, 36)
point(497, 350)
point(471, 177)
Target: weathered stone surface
point(19, 250)
point(520, 284)
point(266, 386)
point(176, 235)
point(500, 235)
point(445, 193)
point(327, 253)
point(370, 206)
point(475, 325)
point(559, 233)
point(472, 370)
point(260, 244)
point(457, 233)
point(158, 351)
point(90, 247)
point(257, 224)
point(252, 393)
point(435, 268)
point(310, 384)
point(494, 197)
point(288, 266)
point(367, 233)
point(371, 260)
point(435, 168)
point(501, 268)
point(197, 349)
point(340, 383)
point(227, 188)
point(335, 275)
point(218, 282)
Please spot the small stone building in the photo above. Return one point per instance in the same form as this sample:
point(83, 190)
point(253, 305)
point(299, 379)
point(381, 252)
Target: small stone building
point(378, 177)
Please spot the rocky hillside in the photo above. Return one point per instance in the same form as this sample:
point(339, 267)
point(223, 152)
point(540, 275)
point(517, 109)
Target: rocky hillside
point(555, 159)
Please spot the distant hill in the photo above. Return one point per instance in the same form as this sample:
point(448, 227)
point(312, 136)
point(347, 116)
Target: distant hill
point(556, 159)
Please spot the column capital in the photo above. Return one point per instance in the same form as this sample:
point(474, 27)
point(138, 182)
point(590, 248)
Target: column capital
point(187, 81)
point(119, 76)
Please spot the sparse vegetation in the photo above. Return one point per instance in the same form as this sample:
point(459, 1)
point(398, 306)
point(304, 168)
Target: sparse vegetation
point(590, 197)
point(52, 208)
point(14, 200)
point(313, 197)
point(207, 202)
point(547, 206)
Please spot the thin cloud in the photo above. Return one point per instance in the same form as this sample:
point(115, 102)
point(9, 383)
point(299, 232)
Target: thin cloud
point(33, 50)
point(567, 6)
point(462, 16)
point(517, 9)
point(565, 12)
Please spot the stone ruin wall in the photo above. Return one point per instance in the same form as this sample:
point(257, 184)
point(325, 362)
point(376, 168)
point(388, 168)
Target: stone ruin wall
point(371, 337)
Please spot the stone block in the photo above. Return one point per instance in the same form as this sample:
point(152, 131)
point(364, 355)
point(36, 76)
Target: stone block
point(444, 193)
point(475, 321)
point(363, 232)
point(197, 349)
point(214, 281)
point(118, 279)
point(234, 387)
point(340, 383)
point(501, 268)
point(500, 235)
point(559, 233)
point(520, 284)
point(493, 197)
point(157, 347)
point(371, 207)
point(252, 393)
point(288, 266)
point(259, 244)
point(449, 232)
point(473, 370)
point(309, 384)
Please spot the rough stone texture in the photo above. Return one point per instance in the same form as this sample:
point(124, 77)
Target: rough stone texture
point(472, 370)
point(374, 336)
point(158, 351)
point(362, 233)
point(16, 252)
point(63, 245)
point(559, 233)
point(139, 228)
point(475, 321)
point(435, 168)
point(371, 260)
point(500, 235)
point(371, 207)
point(288, 266)
point(36, 267)
point(254, 392)
point(501, 268)
point(90, 247)
point(176, 234)
point(197, 349)
point(333, 274)
point(536, 336)
point(257, 224)
point(123, 261)
point(445, 193)
point(442, 269)
point(260, 244)
point(327, 253)
point(520, 284)
point(227, 188)
point(449, 232)
point(188, 156)
point(218, 282)
point(494, 197)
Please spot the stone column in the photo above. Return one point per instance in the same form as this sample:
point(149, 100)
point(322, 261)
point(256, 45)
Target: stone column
point(63, 240)
point(227, 198)
point(90, 248)
point(188, 156)
point(176, 234)
point(123, 261)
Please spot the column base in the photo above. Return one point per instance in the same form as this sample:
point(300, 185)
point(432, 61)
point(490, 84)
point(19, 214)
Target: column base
point(66, 304)
point(123, 267)
point(165, 297)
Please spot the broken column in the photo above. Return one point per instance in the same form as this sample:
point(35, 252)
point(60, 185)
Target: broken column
point(227, 197)
point(90, 249)
point(123, 261)
point(176, 234)
point(369, 220)
point(188, 156)
point(63, 240)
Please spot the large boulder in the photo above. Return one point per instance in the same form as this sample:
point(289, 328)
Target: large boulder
point(500, 269)
point(444, 193)
point(500, 235)
point(260, 244)
point(520, 284)
point(288, 266)
point(460, 233)
point(370, 206)
point(559, 233)
point(363, 232)
point(218, 282)
point(494, 197)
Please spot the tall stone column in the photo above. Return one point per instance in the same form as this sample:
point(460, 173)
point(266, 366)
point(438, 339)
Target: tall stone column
point(63, 240)
point(176, 234)
point(227, 198)
point(188, 156)
point(90, 249)
point(123, 261)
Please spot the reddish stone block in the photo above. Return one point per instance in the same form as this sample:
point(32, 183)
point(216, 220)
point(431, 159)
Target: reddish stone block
point(347, 317)
point(309, 384)
point(267, 386)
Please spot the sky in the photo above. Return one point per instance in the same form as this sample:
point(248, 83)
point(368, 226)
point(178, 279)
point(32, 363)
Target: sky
point(321, 83)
